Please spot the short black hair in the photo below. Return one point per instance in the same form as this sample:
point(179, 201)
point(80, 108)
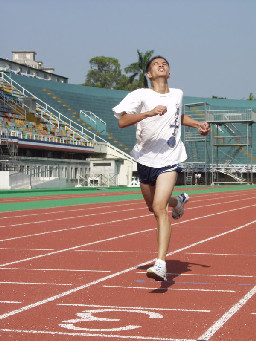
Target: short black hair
point(151, 60)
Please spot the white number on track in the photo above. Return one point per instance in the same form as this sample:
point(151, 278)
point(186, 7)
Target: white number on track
point(88, 316)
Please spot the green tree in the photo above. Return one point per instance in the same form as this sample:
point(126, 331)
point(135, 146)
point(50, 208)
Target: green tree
point(251, 97)
point(105, 72)
point(138, 69)
point(126, 84)
point(217, 97)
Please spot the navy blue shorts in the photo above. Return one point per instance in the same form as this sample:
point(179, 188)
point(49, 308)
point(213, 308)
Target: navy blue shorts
point(148, 175)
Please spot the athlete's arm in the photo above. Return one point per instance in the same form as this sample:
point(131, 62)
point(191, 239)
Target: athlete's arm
point(189, 122)
point(203, 127)
point(127, 120)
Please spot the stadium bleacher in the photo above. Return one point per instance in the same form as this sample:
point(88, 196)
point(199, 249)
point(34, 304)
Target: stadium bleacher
point(69, 99)
point(91, 108)
point(34, 125)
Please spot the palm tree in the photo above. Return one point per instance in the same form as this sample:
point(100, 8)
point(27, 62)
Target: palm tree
point(138, 69)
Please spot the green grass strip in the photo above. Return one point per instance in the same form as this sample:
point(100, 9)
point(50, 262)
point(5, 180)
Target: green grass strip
point(59, 191)
point(7, 207)
point(87, 190)
point(32, 205)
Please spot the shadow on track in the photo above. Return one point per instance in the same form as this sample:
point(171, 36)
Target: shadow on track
point(174, 268)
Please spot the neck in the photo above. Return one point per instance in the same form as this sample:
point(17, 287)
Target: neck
point(160, 86)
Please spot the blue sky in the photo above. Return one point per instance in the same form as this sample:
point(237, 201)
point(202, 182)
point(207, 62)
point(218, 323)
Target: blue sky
point(210, 44)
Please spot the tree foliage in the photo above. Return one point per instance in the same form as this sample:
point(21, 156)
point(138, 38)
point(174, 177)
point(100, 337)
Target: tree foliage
point(126, 84)
point(217, 97)
point(105, 72)
point(251, 97)
point(138, 69)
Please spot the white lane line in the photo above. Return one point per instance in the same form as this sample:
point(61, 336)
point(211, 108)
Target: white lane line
point(135, 308)
point(203, 275)
point(204, 196)
point(75, 247)
point(113, 336)
point(87, 285)
point(121, 220)
point(218, 254)
point(10, 302)
point(224, 318)
point(73, 217)
point(213, 195)
point(169, 289)
point(71, 270)
point(109, 212)
point(115, 251)
point(23, 249)
point(31, 283)
point(75, 228)
point(122, 236)
point(217, 203)
point(65, 211)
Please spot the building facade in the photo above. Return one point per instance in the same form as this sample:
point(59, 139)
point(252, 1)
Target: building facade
point(24, 63)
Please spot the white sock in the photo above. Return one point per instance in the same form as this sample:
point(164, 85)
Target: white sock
point(161, 262)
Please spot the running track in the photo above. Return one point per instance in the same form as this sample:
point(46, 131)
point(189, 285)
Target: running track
point(78, 272)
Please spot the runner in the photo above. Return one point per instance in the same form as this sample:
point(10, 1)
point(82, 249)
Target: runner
point(156, 113)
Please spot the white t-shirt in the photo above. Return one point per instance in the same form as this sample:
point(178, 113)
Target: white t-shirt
point(153, 133)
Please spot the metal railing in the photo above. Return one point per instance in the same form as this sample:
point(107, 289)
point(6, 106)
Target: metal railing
point(49, 113)
point(232, 140)
point(38, 137)
point(89, 114)
point(97, 180)
point(209, 167)
point(13, 103)
point(96, 122)
point(235, 115)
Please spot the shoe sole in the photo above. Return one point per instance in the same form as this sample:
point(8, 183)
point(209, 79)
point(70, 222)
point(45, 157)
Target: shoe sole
point(155, 276)
point(176, 218)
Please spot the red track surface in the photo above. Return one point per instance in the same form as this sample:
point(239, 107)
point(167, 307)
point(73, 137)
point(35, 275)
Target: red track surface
point(79, 272)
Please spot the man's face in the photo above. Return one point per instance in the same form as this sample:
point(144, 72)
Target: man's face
point(158, 68)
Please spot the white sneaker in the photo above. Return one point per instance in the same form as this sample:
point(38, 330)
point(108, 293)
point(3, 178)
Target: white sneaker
point(178, 211)
point(157, 271)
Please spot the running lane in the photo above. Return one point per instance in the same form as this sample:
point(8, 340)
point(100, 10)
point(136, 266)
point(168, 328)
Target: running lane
point(82, 273)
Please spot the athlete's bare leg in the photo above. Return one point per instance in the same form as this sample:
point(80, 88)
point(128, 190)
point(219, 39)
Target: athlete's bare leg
point(148, 193)
point(158, 198)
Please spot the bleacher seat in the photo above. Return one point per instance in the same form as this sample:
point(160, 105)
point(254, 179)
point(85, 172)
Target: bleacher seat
point(69, 99)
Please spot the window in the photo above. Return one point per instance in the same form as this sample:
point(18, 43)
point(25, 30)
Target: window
point(76, 173)
point(102, 164)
